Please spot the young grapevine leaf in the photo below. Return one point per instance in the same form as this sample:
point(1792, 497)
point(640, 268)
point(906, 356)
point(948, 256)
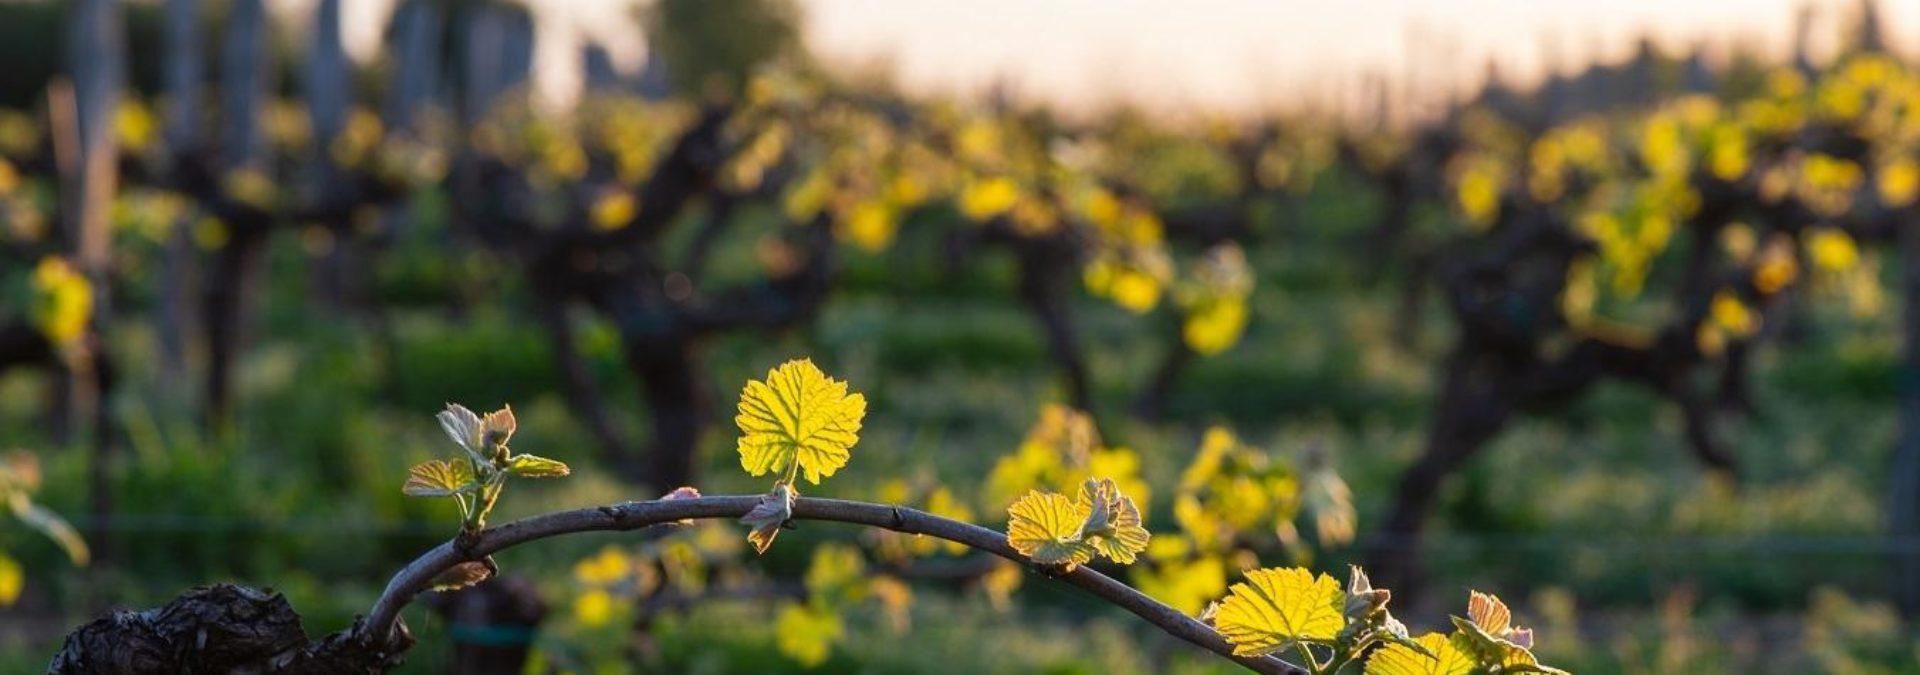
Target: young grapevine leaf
point(767, 517)
point(1362, 598)
point(1491, 615)
point(1489, 635)
point(798, 419)
point(1113, 522)
point(1046, 528)
point(439, 478)
point(532, 466)
point(463, 427)
point(1400, 659)
point(477, 482)
point(1494, 651)
point(1279, 607)
point(496, 428)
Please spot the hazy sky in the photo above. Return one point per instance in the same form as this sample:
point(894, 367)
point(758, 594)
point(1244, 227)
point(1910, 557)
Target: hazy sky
point(1199, 53)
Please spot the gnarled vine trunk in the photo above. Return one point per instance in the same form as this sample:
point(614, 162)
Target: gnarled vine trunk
point(218, 629)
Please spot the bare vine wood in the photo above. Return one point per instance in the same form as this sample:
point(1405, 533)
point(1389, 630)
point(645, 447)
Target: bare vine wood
point(383, 623)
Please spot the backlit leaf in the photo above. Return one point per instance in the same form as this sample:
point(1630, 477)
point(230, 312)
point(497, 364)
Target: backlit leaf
point(1279, 607)
point(1362, 598)
point(439, 478)
point(1491, 651)
point(798, 415)
point(1399, 659)
point(1113, 525)
point(497, 427)
point(1490, 636)
point(463, 427)
point(532, 466)
point(1046, 528)
point(1489, 613)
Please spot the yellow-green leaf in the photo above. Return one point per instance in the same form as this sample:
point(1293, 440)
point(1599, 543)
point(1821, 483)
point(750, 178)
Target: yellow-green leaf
point(1113, 525)
point(798, 415)
point(806, 635)
point(1278, 607)
point(1492, 650)
point(438, 478)
point(1399, 659)
point(1046, 528)
point(533, 466)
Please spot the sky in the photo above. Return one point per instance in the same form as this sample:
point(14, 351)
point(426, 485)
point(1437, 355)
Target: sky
point(1235, 55)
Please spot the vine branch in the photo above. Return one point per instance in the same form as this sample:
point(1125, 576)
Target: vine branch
point(381, 621)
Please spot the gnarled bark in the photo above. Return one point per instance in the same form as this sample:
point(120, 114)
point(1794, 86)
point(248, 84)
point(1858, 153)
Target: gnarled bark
point(219, 629)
